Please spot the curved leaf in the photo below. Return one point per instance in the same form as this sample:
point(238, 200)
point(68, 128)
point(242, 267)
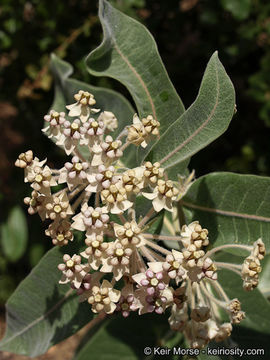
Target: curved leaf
point(235, 208)
point(205, 120)
point(42, 312)
point(128, 53)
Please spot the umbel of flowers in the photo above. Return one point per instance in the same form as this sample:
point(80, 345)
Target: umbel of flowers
point(124, 267)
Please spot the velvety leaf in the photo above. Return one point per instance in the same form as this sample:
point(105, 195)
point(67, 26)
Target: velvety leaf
point(128, 53)
point(14, 234)
point(107, 100)
point(234, 208)
point(41, 312)
point(125, 339)
point(205, 120)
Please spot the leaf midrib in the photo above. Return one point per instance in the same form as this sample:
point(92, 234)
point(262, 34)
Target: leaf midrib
point(200, 128)
point(41, 318)
point(225, 212)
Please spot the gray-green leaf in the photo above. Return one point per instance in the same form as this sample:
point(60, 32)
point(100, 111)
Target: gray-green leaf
point(14, 235)
point(205, 120)
point(125, 339)
point(42, 312)
point(235, 208)
point(129, 54)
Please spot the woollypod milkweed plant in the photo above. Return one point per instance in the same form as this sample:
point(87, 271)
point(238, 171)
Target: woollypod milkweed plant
point(135, 233)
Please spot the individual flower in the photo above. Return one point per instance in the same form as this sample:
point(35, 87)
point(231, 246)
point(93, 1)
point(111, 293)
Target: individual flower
point(127, 301)
point(117, 260)
point(152, 173)
point(129, 233)
point(115, 198)
point(258, 250)
point(163, 195)
point(72, 134)
point(24, 159)
point(36, 204)
point(73, 173)
point(107, 152)
point(102, 178)
point(41, 179)
point(140, 131)
point(234, 309)
point(91, 219)
point(60, 232)
point(58, 207)
point(137, 133)
point(172, 265)
point(250, 272)
point(194, 234)
point(109, 120)
point(73, 271)
point(92, 129)
point(83, 105)
point(95, 251)
point(132, 180)
point(224, 331)
point(104, 298)
point(54, 120)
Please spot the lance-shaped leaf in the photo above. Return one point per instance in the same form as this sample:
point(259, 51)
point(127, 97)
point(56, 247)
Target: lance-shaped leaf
point(42, 312)
point(205, 120)
point(129, 54)
point(234, 208)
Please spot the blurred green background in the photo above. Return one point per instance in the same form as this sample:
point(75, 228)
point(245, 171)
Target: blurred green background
point(187, 33)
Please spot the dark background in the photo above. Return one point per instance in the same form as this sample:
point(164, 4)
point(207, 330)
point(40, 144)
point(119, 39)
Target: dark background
point(187, 33)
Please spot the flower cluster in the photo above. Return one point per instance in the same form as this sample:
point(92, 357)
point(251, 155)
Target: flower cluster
point(99, 199)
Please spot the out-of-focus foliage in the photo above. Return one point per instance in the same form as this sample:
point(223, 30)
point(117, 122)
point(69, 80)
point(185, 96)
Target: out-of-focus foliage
point(187, 32)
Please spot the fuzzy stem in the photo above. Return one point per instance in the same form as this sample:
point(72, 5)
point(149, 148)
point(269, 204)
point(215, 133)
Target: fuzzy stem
point(157, 247)
point(229, 267)
point(227, 246)
point(147, 254)
point(211, 297)
point(140, 263)
point(162, 237)
point(80, 156)
point(220, 290)
point(146, 217)
point(97, 202)
point(123, 133)
point(123, 147)
point(122, 218)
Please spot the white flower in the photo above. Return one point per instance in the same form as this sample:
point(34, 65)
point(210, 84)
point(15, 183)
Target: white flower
point(83, 105)
point(115, 198)
point(55, 120)
point(90, 219)
point(129, 233)
point(104, 298)
point(73, 173)
point(163, 196)
point(109, 120)
point(117, 260)
point(73, 271)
